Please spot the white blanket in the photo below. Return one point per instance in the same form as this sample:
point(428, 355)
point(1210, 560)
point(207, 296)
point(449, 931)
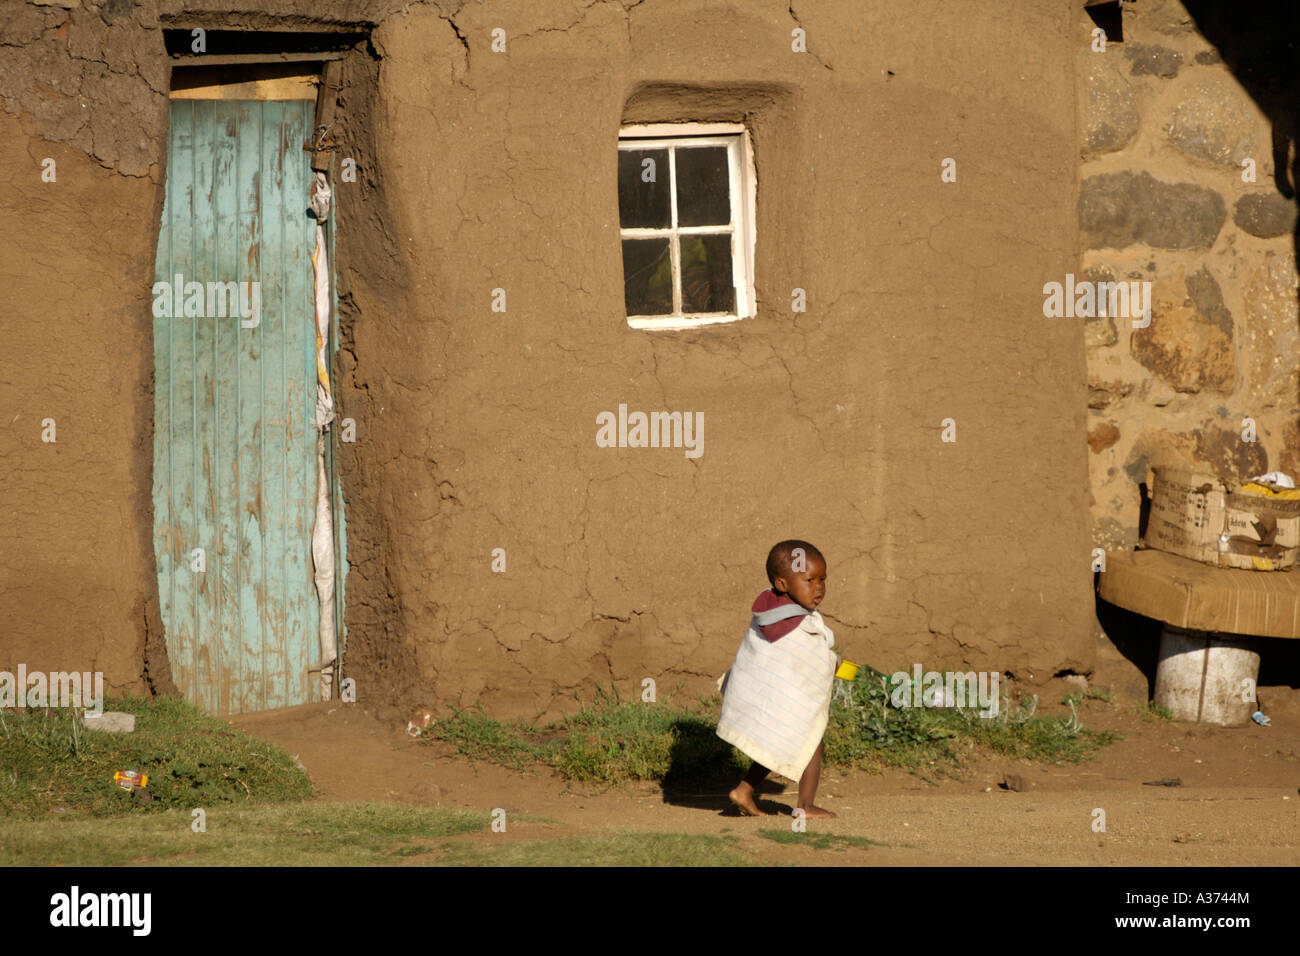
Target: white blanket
point(777, 696)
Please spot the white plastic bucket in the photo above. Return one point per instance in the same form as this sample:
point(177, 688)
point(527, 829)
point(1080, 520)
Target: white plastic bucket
point(1205, 678)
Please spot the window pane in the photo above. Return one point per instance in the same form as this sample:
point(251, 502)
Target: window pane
point(647, 277)
point(703, 197)
point(642, 204)
point(706, 274)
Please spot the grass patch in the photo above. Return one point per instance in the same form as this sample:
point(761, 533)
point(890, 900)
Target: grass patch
point(306, 834)
point(1153, 711)
point(1075, 698)
point(628, 849)
point(480, 737)
point(608, 742)
point(819, 841)
point(50, 762)
point(329, 834)
point(612, 741)
point(866, 730)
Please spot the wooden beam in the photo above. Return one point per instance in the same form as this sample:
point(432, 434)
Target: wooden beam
point(327, 100)
point(235, 59)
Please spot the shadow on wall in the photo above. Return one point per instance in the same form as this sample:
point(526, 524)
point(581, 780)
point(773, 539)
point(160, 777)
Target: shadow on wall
point(1135, 636)
point(1260, 44)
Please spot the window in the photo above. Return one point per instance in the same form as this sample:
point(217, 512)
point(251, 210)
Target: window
point(686, 221)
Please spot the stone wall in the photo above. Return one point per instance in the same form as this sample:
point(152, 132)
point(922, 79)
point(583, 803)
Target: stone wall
point(1167, 197)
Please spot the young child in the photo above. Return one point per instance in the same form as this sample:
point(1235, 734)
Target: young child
point(777, 695)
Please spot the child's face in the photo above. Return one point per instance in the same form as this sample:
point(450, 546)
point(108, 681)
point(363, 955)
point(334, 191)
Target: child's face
point(806, 587)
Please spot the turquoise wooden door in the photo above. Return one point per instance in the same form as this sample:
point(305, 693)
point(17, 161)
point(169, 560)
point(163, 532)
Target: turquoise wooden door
point(234, 486)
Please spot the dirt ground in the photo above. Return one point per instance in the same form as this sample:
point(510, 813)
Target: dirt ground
point(1239, 802)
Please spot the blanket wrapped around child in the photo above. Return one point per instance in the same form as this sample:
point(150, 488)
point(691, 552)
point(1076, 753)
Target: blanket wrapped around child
point(777, 695)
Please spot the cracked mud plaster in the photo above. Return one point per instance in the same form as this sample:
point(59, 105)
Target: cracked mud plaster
point(93, 77)
point(77, 86)
point(477, 429)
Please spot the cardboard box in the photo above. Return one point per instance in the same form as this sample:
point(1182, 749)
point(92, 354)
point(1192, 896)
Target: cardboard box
point(1193, 515)
point(1188, 512)
point(1262, 533)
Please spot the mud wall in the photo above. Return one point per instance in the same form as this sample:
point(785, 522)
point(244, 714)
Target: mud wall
point(485, 170)
point(83, 118)
point(1181, 188)
point(475, 429)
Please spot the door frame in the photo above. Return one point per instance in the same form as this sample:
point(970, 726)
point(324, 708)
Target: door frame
point(284, 76)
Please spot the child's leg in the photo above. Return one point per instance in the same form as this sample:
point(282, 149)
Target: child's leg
point(743, 795)
point(812, 776)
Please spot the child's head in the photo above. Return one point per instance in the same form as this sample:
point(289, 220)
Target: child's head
point(797, 569)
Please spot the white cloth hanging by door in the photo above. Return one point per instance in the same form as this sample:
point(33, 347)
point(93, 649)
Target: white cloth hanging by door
point(322, 538)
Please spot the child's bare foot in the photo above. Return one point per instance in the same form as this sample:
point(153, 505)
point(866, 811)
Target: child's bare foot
point(816, 811)
point(742, 798)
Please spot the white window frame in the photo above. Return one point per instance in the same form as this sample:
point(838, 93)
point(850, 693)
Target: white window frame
point(742, 188)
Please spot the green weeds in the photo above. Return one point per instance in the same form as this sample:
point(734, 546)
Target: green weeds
point(50, 762)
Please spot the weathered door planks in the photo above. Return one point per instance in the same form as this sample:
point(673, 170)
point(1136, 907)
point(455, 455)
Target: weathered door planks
point(234, 462)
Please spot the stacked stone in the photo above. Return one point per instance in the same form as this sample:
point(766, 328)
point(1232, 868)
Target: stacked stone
point(1165, 197)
